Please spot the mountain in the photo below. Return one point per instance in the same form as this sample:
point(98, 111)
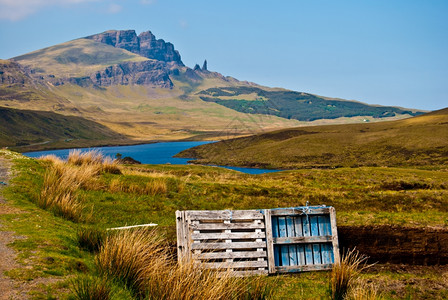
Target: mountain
point(421, 140)
point(138, 87)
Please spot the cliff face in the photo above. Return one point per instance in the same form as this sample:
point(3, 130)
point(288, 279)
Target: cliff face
point(141, 73)
point(12, 73)
point(144, 44)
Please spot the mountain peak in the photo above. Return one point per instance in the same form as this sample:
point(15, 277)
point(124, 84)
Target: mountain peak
point(145, 44)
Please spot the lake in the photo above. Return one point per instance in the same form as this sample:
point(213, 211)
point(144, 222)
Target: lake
point(156, 153)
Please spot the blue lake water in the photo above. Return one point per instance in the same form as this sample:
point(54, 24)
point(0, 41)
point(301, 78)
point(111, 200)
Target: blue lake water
point(157, 153)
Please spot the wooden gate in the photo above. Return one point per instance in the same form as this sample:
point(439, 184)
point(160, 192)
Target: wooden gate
point(251, 242)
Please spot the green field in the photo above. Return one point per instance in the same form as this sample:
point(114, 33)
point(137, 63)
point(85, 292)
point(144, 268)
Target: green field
point(142, 194)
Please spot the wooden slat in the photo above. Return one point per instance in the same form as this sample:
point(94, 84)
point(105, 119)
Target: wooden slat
point(225, 235)
point(317, 254)
point(306, 226)
point(291, 269)
point(281, 226)
point(249, 273)
point(222, 226)
point(235, 245)
point(235, 265)
point(225, 255)
point(314, 226)
point(180, 236)
point(309, 254)
point(225, 215)
point(303, 239)
point(298, 226)
point(334, 231)
point(269, 240)
point(299, 211)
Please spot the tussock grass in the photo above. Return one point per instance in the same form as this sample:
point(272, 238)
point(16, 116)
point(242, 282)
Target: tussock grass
point(90, 238)
point(91, 288)
point(344, 274)
point(93, 158)
point(62, 181)
point(140, 260)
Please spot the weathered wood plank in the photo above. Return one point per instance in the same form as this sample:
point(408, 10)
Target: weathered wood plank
point(180, 237)
point(300, 210)
point(284, 255)
point(298, 226)
point(281, 226)
point(291, 269)
point(231, 226)
point(306, 226)
point(314, 226)
point(224, 235)
point(235, 265)
point(235, 245)
point(303, 239)
point(334, 231)
point(232, 255)
point(317, 258)
point(269, 240)
point(224, 215)
point(309, 254)
point(249, 273)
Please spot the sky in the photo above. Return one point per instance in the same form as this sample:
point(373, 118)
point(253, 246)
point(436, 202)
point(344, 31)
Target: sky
point(392, 52)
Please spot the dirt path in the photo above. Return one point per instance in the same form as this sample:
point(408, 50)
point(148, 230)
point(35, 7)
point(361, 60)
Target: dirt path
point(8, 287)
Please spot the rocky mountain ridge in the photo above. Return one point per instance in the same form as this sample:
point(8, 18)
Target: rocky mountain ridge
point(145, 44)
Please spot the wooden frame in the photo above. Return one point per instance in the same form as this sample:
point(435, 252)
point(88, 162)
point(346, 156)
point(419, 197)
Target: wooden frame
point(253, 242)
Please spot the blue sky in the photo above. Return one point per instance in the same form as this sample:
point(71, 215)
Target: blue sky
point(381, 52)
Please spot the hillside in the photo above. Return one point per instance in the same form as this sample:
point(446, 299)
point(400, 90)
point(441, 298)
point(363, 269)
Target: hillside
point(24, 130)
point(138, 86)
point(421, 140)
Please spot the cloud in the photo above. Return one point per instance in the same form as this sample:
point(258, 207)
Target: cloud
point(15, 10)
point(114, 8)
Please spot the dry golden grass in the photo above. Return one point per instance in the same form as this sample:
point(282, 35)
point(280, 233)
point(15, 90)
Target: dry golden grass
point(363, 290)
point(63, 179)
point(344, 274)
point(140, 260)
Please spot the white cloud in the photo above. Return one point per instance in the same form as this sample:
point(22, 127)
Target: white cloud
point(14, 10)
point(114, 8)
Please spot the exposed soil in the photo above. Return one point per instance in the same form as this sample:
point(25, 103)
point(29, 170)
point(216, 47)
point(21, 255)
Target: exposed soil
point(397, 245)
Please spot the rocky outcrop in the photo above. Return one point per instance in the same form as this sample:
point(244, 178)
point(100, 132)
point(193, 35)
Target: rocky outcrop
point(12, 73)
point(144, 44)
point(141, 73)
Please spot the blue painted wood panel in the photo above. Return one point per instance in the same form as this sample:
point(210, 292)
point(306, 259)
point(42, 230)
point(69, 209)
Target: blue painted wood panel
point(302, 253)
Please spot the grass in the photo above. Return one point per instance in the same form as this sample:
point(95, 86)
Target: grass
point(91, 288)
point(344, 274)
point(139, 260)
point(56, 248)
point(43, 127)
point(418, 141)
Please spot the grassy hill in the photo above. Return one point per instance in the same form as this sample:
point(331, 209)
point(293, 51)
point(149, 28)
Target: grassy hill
point(76, 58)
point(295, 105)
point(421, 140)
point(25, 130)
